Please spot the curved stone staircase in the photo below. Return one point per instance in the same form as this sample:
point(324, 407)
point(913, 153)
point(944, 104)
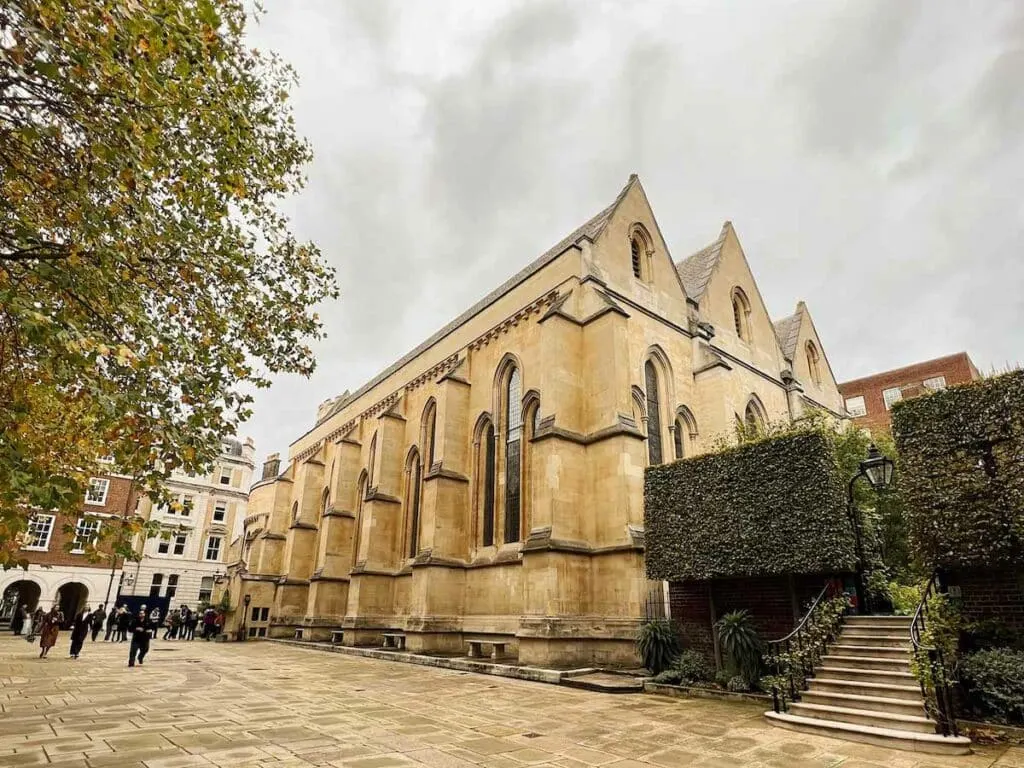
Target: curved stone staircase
point(863, 690)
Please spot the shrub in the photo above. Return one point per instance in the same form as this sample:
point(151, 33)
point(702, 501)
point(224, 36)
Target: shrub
point(772, 507)
point(738, 683)
point(693, 667)
point(994, 684)
point(989, 632)
point(961, 472)
point(722, 677)
point(658, 644)
point(742, 645)
point(905, 599)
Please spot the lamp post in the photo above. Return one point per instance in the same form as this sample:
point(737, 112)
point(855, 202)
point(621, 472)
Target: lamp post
point(245, 615)
point(878, 469)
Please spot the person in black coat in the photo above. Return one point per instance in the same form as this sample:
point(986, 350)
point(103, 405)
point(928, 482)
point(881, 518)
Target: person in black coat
point(79, 630)
point(141, 628)
point(124, 623)
point(112, 618)
point(96, 621)
point(18, 620)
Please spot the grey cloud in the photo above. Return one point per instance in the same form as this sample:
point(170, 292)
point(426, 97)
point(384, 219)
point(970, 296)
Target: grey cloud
point(870, 155)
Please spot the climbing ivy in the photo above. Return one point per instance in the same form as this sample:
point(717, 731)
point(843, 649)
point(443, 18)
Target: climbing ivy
point(961, 461)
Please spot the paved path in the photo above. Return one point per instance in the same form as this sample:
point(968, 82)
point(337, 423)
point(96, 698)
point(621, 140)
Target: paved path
point(262, 704)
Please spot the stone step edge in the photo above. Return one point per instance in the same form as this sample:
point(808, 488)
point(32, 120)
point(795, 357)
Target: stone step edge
point(888, 619)
point(885, 662)
point(907, 740)
point(892, 716)
point(875, 636)
point(871, 686)
point(825, 670)
point(883, 648)
point(862, 699)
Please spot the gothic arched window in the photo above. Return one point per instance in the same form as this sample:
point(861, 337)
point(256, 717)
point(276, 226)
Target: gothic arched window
point(373, 456)
point(412, 498)
point(636, 251)
point(741, 314)
point(429, 422)
point(753, 417)
point(654, 455)
point(513, 455)
point(489, 476)
point(812, 363)
point(357, 535)
point(678, 438)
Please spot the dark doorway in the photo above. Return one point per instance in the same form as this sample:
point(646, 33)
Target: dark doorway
point(19, 593)
point(72, 598)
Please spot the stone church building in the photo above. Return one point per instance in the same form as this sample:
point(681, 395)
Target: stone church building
point(489, 484)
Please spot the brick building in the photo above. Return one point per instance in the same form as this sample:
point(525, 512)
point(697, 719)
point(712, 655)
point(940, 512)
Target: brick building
point(63, 567)
point(869, 399)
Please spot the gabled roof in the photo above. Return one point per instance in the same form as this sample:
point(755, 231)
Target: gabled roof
point(788, 331)
point(696, 270)
point(590, 230)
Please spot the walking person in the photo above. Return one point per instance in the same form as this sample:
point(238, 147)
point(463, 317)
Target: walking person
point(209, 619)
point(96, 620)
point(112, 623)
point(79, 631)
point(172, 624)
point(49, 630)
point(18, 620)
point(141, 629)
point(190, 625)
point(34, 622)
point(154, 622)
point(124, 623)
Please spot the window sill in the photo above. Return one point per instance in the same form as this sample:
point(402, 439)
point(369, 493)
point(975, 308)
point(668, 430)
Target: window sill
point(37, 549)
point(96, 503)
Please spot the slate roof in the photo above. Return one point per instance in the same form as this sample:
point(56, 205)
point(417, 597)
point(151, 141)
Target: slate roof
point(590, 230)
point(787, 330)
point(696, 270)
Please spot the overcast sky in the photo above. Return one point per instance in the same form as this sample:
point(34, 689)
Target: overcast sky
point(870, 155)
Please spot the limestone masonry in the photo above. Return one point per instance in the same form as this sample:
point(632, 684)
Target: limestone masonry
point(489, 484)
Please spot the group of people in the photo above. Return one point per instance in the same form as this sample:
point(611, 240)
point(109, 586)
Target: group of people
point(120, 621)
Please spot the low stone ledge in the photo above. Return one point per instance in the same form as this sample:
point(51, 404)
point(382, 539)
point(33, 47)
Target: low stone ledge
point(694, 692)
point(535, 674)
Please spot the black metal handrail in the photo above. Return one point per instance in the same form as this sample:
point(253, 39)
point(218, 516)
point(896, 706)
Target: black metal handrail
point(780, 653)
point(938, 702)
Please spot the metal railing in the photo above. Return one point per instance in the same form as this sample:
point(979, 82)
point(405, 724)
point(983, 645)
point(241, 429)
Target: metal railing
point(931, 665)
point(794, 656)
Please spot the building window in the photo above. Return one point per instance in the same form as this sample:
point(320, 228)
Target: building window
point(154, 588)
point(754, 418)
point(413, 500)
point(172, 585)
point(358, 534)
point(636, 252)
point(225, 476)
point(654, 454)
point(373, 457)
point(37, 536)
point(86, 532)
point(813, 363)
point(213, 548)
point(935, 383)
point(108, 459)
point(855, 406)
point(163, 546)
point(187, 503)
point(264, 614)
point(513, 455)
point(97, 491)
point(220, 511)
point(179, 543)
point(429, 429)
point(206, 589)
point(891, 396)
point(489, 476)
point(678, 439)
point(741, 314)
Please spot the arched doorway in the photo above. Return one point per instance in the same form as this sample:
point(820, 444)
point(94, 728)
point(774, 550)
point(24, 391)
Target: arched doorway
point(19, 593)
point(71, 597)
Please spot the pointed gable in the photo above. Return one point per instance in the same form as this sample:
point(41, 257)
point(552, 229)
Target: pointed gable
point(796, 333)
point(787, 330)
point(696, 270)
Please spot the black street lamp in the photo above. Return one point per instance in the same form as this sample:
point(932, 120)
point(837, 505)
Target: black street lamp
point(245, 614)
point(878, 469)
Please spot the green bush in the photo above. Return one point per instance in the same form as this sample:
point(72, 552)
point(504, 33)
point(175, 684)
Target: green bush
point(905, 598)
point(722, 677)
point(961, 463)
point(693, 667)
point(657, 644)
point(742, 644)
point(989, 632)
point(777, 506)
point(993, 681)
point(738, 684)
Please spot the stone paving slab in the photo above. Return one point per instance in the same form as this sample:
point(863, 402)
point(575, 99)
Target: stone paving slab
point(269, 705)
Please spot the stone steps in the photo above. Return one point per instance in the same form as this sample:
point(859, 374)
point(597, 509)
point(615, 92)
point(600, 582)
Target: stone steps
point(863, 690)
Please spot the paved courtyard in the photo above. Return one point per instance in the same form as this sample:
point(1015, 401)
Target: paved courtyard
point(262, 704)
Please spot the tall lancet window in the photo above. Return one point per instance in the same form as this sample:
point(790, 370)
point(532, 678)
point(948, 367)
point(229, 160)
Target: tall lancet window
point(513, 455)
point(654, 455)
point(489, 477)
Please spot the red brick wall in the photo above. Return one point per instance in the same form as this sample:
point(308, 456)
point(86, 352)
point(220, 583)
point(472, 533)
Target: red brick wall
point(60, 542)
point(958, 369)
point(769, 600)
point(991, 594)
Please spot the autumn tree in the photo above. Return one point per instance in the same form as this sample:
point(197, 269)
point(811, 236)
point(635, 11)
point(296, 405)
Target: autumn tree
point(148, 280)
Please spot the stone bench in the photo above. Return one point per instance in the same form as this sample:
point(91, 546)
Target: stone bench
point(394, 640)
point(495, 649)
point(337, 636)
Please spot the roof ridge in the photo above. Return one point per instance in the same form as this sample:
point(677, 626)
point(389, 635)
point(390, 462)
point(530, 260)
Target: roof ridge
point(591, 229)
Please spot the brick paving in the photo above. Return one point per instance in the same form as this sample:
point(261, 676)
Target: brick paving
point(263, 704)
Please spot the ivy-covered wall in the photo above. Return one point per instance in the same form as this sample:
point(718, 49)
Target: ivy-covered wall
point(777, 506)
point(961, 465)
